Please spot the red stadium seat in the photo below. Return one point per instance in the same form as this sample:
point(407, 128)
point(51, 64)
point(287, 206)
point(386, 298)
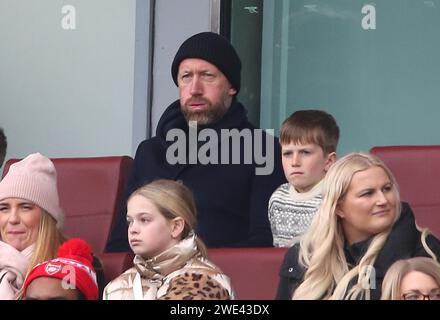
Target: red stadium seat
point(417, 170)
point(90, 191)
point(253, 271)
point(115, 263)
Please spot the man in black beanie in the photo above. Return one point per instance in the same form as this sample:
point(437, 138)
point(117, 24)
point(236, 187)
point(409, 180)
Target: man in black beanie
point(231, 197)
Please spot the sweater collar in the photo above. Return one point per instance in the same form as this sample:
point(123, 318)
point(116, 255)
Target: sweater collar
point(304, 196)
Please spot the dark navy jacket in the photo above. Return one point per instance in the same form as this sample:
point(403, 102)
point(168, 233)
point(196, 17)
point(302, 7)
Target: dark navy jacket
point(231, 200)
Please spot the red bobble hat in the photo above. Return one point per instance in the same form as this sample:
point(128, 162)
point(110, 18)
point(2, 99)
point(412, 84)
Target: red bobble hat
point(74, 253)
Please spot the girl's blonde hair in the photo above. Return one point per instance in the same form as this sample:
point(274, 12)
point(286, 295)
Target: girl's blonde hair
point(173, 199)
point(391, 286)
point(322, 246)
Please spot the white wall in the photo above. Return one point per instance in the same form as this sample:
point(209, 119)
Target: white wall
point(64, 92)
point(87, 92)
point(175, 21)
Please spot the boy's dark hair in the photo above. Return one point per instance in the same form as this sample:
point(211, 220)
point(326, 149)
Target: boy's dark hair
point(3, 146)
point(311, 126)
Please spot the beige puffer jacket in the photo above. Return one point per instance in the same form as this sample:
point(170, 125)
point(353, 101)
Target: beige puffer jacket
point(199, 279)
point(179, 273)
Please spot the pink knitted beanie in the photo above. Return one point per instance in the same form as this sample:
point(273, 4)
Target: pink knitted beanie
point(34, 179)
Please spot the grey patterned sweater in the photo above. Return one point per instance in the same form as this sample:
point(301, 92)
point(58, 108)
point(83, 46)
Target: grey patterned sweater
point(290, 213)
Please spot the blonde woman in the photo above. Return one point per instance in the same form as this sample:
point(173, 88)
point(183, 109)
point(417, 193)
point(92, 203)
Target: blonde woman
point(170, 261)
point(31, 221)
point(357, 234)
point(412, 279)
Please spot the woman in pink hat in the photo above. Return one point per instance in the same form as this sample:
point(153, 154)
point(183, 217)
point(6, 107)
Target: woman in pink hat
point(30, 220)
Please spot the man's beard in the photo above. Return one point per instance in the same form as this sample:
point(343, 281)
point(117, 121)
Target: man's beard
point(205, 117)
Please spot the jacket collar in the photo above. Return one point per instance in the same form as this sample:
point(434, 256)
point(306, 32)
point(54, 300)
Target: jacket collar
point(172, 118)
point(168, 261)
point(400, 243)
point(354, 252)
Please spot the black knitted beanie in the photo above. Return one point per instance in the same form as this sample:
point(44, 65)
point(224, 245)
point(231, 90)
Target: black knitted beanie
point(213, 48)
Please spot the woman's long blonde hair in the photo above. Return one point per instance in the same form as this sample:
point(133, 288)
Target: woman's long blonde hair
point(322, 246)
point(49, 238)
point(391, 286)
point(173, 199)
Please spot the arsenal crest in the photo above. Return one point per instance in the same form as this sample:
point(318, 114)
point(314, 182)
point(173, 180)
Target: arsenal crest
point(52, 268)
